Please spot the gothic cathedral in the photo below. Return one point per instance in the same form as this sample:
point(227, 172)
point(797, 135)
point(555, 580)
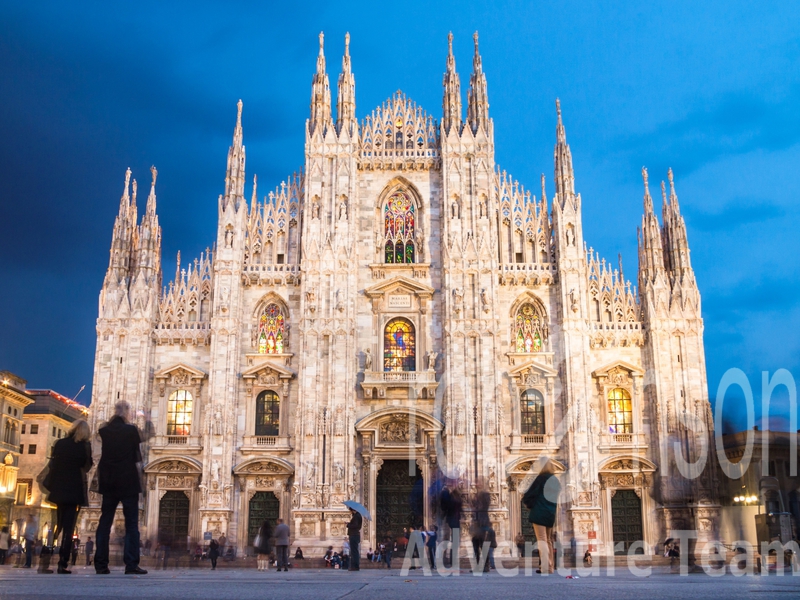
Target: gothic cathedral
point(399, 315)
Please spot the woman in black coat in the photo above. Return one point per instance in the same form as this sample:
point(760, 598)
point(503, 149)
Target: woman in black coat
point(542, 500)
point(264, 546)
point(66, 482)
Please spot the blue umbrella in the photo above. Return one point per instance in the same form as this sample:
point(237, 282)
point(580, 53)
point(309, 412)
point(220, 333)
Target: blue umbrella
point(360, 508)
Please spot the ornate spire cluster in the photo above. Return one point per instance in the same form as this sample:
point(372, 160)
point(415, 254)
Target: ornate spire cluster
point(451, 105)
point(651, 259)
point(477, 98)
point(272, 226)
point(675, 242)
point(524, 220)
point(616, 301)
point(187, 298)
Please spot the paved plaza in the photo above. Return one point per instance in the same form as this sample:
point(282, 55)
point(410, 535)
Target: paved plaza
point(308, 584)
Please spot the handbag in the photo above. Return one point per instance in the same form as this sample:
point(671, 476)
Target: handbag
point(257, 541)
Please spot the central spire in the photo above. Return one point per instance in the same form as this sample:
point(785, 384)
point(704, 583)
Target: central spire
point(478, 101)
point(564, 175)
point(451, 104)
point(346, 94)
point(320, 94)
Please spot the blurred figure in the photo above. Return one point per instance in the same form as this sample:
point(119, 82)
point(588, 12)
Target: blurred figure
point(29, 535)
point(263, 545)
point(282, 544)
point(430, 543)
point(354, 533)
point(76, 547)
point(452, 505)
point(298, 555)
point(118, 478)
point(542, 500)
point(89, 549)
point(480, 527)
point(4, 544)
point(213, 553)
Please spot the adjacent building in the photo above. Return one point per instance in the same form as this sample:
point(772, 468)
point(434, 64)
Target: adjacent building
point(400, 313)
point(13, 401)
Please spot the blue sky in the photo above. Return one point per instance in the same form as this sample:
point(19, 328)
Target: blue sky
point(710, 89)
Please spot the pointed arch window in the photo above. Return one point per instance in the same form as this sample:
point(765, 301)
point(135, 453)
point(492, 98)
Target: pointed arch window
point(271, 330)
point(180, 407)
point(532, 412)
point(399, 222)
point(399, 346)
point(620, 411)
point(529, 330)
point(268, 409)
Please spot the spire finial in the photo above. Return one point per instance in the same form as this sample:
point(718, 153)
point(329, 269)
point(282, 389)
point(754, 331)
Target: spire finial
point(663, 193)
point(239, 106)
point(321, 43)
point(646, 184)
point(450, 43)
point(558, 110)
point(135, 187)
point(127, 182)
point(347, 44)
point(671, 182)
point(154, 172)
point(475, 38)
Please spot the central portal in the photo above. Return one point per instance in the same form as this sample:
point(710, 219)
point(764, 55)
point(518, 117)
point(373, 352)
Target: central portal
point(399, 499)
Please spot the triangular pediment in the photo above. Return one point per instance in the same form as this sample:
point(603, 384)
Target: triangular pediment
point(398, 283)
point(604, 370)
point(267, 368)
point(177, 369)
point(534, 365)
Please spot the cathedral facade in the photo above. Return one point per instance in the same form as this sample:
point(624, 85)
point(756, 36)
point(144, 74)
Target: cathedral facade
point(400, 315)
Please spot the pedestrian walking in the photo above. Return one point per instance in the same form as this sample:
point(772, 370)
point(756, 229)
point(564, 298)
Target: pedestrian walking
point(354, 533)
point(4, 544)
point(542, 500)
point(282, 544)
point(118, 479)
point(29, 535)
point(213, 553)
point(430, 543)
point(65, 482)
point(452, 504)
point(263, 545)
point(387, 551)
point(89, 549)
point(76, 547)
point(222, 541)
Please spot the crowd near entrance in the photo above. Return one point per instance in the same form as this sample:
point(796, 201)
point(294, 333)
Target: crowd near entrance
point(399, 498)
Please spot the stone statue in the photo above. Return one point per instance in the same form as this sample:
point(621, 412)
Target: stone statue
point(339, 469)
point(310, 469)
point(315, 210)
point(454, 209)
point(570, 236)
point(367, 360)
point(229, 238)
point(484, 300)
point(432, 361)
point(343, 210)
point(215, 471)
point(458, 299)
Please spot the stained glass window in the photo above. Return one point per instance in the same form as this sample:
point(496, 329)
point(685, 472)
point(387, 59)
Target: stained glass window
point(528, 329)
point(399, 346)
point(620, 411)
point(179, 413)
point(268, 413)
point(398, 229)
point(271, 330)
point(532, 410)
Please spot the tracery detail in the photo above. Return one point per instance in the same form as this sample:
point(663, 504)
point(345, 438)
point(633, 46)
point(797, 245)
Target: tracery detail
point(398, 229)
point(271, 330)
point(529, 329)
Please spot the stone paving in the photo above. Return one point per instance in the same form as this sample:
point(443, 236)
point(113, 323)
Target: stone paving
point(203, 584)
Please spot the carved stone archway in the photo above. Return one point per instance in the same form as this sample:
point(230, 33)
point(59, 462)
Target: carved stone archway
point(263, 474)
point(172, 473)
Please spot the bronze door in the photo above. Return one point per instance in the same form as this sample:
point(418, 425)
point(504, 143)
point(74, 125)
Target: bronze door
point(626, 519)
point(264, 506)
point(527, 526)
point(398, 499)
point(173, 519)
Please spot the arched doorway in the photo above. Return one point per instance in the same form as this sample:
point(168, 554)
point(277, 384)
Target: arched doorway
point(626, 519)
point(264, 506)
point(399, 498)
point(173, 518)
point(527, 527)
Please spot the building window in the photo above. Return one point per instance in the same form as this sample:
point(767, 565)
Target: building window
point(21, 448)
point(10, 433)
point(532, 411)
point(398, 229)
point(271, 330)
point(179, 413)
point(268, 408)
point(23, 428)
point(22, 493)
point(31, 448)
point(620, 412)
point(34, 429)
point(528, 329)
point(399, 346)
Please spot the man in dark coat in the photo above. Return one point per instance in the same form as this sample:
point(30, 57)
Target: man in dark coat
point(354, 533)
point(118, 478)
